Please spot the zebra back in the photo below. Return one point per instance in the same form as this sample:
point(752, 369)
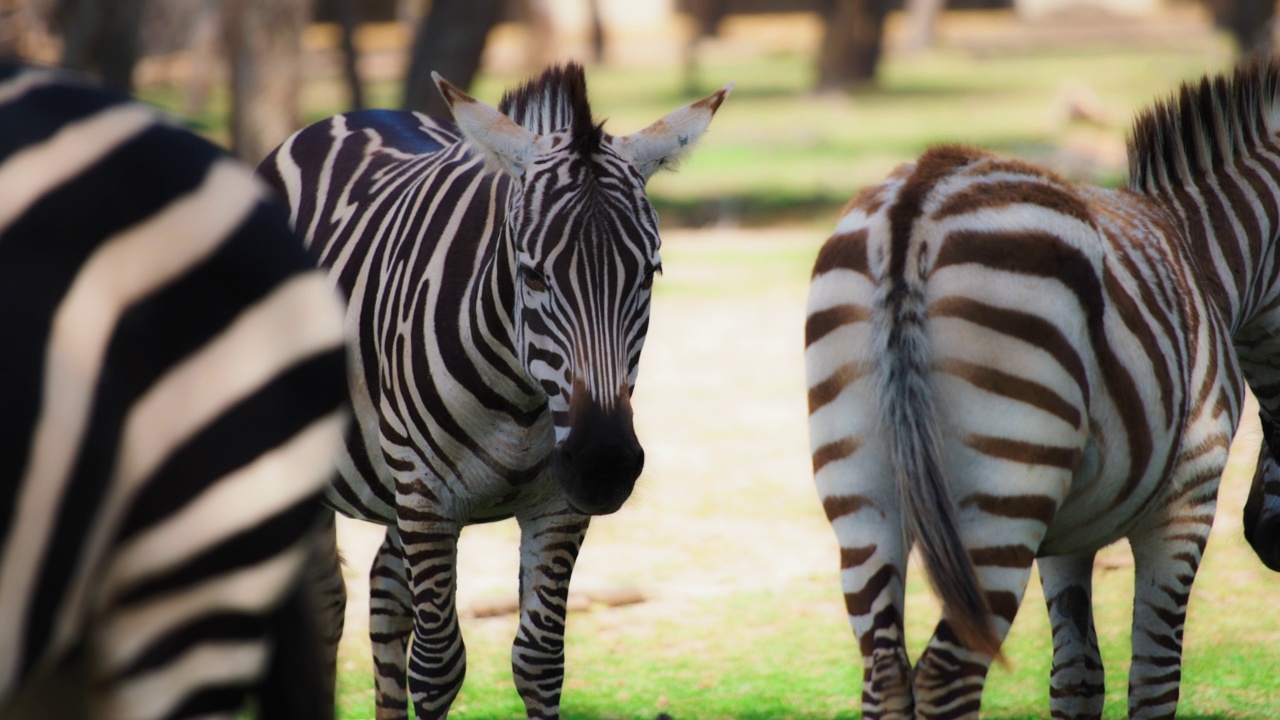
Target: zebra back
point(172, 375)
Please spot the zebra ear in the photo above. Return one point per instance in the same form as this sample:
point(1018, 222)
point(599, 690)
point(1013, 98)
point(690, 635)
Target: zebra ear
point(663, 144)
point(504, 145)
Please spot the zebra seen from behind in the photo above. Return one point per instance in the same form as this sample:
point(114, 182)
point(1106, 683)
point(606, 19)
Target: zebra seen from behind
point(498, 275)
point(1004, 367)
point(172, 378)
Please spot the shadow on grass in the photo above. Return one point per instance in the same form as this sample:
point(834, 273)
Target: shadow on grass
point(751, 209)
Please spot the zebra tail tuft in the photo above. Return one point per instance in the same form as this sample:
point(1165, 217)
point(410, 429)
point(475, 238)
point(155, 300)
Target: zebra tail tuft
point(909, 416)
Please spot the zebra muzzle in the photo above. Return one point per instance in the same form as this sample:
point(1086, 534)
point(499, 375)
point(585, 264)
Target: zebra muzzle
point(600, 459)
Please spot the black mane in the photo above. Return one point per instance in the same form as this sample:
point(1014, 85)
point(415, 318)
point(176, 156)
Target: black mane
point(554, 101)
point(1203, 127)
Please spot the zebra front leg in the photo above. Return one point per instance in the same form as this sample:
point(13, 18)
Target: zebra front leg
point(437, 656)
point(549, 547)
point(1076, 683)
point(390, 627)
point(1164, 568)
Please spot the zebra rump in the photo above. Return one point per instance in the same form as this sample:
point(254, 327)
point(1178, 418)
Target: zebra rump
point(173, 383)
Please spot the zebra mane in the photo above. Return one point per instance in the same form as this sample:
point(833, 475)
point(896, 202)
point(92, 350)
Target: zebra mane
point(1205, 126)
point(554, 101)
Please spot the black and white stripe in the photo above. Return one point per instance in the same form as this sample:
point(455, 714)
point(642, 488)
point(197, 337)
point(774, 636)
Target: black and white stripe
point(498, 275)
point(1005, 368)
point(171, 375)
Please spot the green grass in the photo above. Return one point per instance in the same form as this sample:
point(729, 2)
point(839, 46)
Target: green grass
point(788, 654)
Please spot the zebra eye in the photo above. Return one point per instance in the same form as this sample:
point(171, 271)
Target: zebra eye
point(533, 280)
point(647, 283)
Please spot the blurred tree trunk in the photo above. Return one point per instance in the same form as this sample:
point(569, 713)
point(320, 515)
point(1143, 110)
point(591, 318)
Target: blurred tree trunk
point(851, 43)
point(922, 19)
point(101, 38)
point(450, 40)
point(264, 50)
point(349, 19)
point(1250, 22)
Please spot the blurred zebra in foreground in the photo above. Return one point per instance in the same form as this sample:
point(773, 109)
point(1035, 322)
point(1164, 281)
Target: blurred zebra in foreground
point(498, 275)
point(1003, 366)
point(172, 377)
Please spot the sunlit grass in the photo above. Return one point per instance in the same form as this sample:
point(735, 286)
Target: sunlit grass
point(784, 650)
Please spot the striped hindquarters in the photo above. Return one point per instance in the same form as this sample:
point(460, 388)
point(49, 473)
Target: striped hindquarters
point(174, 389)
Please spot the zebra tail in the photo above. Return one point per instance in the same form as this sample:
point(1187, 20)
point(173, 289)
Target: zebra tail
point(909, 414)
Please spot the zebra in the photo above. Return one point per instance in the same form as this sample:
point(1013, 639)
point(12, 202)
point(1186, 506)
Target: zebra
point(1005, 368)
point(173, 376)
point(1262, 509)
point(498, 271)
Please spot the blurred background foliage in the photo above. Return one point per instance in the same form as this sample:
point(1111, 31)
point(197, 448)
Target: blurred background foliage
point(831, 94)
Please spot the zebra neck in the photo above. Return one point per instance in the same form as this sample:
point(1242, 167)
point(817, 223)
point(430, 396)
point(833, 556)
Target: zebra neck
point(494, 306)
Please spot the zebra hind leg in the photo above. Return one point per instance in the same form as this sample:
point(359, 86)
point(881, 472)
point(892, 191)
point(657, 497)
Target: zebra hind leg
point(949, 677)
point(437, 656)
point(548, 550)
point(1164, 569)
point(1076, 683)
point(872, 574)
point(390, 626)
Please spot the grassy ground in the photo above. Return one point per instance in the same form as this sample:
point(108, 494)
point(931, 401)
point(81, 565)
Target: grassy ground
point(724, 537)
point(726, 540)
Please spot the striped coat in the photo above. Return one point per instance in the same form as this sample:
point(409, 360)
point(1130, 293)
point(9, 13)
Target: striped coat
point(498, 271)
point(171, 373)
point(1006, 367)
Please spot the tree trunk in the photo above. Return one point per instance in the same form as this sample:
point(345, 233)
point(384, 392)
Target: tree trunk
point(1250, 22)
point(349, 19)
point(922, 20)
point(101, 38)
point(450, 40)
point(264, 49)
point(850, 49)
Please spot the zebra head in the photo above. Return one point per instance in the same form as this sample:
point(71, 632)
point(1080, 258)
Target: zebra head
point(584, 252)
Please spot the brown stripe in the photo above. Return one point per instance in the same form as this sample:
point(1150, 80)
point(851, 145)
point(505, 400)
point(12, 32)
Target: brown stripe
point(859, 603)
point(1025, 452)
point(838, 506)
point(847, 251)
point(978, 196)
point(855, 557)
point(1038, 254)
point(829, 389)
point(1003, 603)
point(1131, 311)
point(1013, 387)
point(821, 323)
point(1005, 556)
point(1029, 328)
point(1123, 390)
point(1030, 507)
point(833, 451)
point(934, 165)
